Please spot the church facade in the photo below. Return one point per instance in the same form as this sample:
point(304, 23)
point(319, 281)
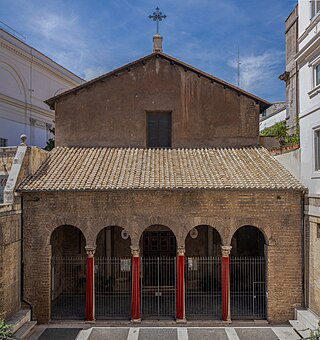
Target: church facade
point(159, 203)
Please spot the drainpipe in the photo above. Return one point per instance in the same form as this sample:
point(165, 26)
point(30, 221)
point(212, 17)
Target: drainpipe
point(22, 263)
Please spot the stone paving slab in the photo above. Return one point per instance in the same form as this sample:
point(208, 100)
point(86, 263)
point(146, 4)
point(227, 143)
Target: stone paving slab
point(256, 333)
point(111, 334)
point(207, 334)
point(158, 334)
point(60, 333)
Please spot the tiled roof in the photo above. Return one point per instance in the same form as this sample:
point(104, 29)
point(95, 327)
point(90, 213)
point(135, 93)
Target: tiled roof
point(75, 168)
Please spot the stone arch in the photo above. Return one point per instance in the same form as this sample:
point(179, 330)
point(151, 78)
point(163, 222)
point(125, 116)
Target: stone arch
point(264, 229)
point(206, 241)
point(56, 222)
point(15, 78)
point(218, 225)
point(171, 225)
point(248, 240)
point(158, 232)
point(67, 240)
point(59, 91)
point(68, 272)
point(112, 242)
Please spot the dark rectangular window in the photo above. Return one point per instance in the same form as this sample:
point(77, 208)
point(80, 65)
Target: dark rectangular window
point(317, 150)
point(3, 142)
point(159, 129)
point(315, 7)
point(318, 75)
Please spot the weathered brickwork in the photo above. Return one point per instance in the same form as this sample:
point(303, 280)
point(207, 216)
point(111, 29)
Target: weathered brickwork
point(276, 213)
point(10, 260)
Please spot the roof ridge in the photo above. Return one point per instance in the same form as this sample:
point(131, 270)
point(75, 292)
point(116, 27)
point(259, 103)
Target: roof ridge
point(51, 101)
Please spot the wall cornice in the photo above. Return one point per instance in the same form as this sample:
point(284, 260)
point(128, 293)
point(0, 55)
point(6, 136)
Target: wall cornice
point(35, 60)
point(22, 105)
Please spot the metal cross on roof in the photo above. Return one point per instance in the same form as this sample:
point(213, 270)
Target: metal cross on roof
point(157, 16)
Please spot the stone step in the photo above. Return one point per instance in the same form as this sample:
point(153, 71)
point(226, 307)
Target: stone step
point(25, 330)
point(19, 319)
point(307, 318)
point(300, 328)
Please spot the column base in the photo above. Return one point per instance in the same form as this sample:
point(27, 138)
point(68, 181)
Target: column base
point(181, 320)
point(91, 321)
point(135, 320)
point(227, 321)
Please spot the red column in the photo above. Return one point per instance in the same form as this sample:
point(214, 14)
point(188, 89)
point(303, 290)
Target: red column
point(90, 285)
point(135, 311)
point(180, 297)
point(225, 283)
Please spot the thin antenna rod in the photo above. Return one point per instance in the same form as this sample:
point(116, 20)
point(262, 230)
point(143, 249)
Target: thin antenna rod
point(239, 67)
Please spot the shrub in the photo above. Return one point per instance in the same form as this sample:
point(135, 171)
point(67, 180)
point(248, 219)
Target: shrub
point(5, 332)
point(280, 132)
point(315, 335)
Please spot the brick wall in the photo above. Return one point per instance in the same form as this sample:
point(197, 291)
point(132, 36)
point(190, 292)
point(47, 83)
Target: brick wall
point(10, 250)
point(276, 213)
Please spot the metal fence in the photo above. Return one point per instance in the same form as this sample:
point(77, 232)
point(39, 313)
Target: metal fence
point(203, 287)
point(158, 287)
point(112, 287)
point(248, 287)
point(68, 287)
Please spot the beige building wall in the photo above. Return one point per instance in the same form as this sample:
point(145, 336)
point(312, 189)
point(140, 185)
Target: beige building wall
point(314, 259)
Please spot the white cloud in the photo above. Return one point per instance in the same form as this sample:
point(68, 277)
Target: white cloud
point(58, 28)
point(257, 71)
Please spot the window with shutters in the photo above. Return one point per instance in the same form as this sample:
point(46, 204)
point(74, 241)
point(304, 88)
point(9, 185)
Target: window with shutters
point(159, 129)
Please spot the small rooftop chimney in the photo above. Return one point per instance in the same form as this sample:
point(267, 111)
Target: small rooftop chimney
point(157, 43)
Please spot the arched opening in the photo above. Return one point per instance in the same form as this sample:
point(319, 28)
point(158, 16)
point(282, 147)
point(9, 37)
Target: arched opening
point(68, 273)
point(113, 274)
point(248, 274)
point(203, 273)
point(158, 247)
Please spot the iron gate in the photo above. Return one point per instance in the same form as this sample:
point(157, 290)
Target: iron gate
point(68, 296)
point(203, 287)
point(158, 287)
point(248, 287)
point(112, 287)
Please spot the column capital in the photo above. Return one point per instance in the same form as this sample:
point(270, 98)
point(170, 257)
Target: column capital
point(135, 251)
point(226, 250)
point(90, 251)
point(181, 250)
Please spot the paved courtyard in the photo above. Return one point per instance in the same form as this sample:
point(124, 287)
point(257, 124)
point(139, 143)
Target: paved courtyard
point(164, 333)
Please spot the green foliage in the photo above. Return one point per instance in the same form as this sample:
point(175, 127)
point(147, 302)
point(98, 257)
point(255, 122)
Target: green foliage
point(280, 132)
point(5, 332)
point(315, 335)
point(50, 142)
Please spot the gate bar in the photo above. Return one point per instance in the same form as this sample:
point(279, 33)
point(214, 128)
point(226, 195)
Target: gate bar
point(226, 282)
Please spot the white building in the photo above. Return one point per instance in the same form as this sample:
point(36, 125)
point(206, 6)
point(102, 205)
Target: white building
point(27, 78)
point(308, 61)
point(276, 113)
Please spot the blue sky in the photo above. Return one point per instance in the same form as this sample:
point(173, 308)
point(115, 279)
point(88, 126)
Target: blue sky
point(94, 37)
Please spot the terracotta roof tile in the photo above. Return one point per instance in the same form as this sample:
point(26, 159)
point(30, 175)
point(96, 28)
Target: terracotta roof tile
point(71, 168)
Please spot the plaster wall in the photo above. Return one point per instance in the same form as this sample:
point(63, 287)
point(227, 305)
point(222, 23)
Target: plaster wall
point(112, 112)
point(272, 119)
point(28, 78)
